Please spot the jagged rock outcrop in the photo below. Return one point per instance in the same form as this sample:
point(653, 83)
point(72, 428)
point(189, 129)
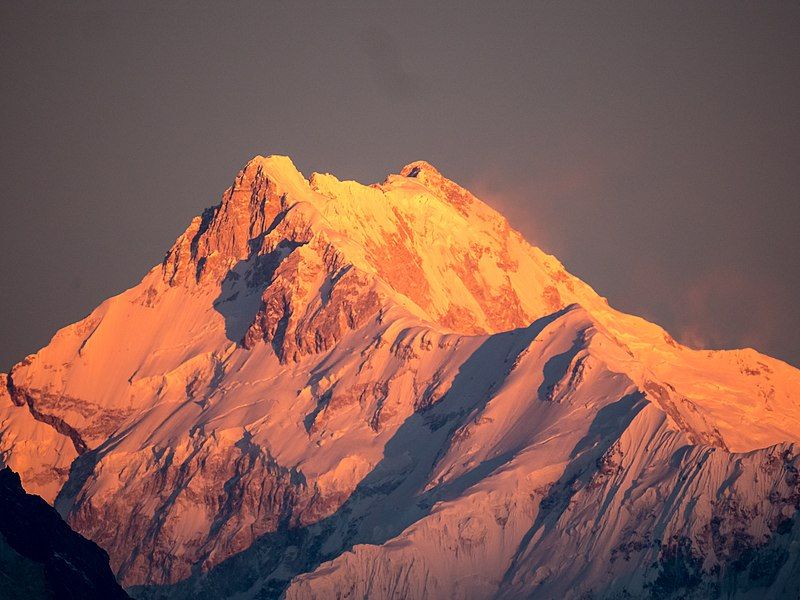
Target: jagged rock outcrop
point(331, 389)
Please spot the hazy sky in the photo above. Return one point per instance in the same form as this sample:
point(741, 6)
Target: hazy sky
point(655, 151)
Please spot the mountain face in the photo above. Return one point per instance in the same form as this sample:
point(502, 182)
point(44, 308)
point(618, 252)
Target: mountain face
point(328, 389)
point(41, 557)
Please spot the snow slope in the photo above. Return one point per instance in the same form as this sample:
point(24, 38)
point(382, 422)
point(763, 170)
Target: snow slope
point(343, 390)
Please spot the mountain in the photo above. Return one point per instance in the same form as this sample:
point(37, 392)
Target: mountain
point(41, 557)
point(328, 389)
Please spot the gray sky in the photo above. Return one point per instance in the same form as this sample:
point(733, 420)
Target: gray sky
point(654, 149)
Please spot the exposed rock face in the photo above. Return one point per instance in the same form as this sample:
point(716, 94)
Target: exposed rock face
point(41, 557)
point(330, 389)
point(33, 448)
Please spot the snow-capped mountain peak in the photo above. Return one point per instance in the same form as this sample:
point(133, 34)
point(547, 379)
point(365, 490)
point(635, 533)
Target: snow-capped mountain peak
point(324, 378)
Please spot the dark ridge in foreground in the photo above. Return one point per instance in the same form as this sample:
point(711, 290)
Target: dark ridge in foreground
point(41, 557)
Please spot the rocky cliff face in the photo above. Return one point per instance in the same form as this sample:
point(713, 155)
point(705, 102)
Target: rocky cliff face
point(41, 557)
point(335, 389)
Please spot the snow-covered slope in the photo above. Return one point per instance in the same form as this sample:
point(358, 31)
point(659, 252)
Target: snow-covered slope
point(335, 389)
